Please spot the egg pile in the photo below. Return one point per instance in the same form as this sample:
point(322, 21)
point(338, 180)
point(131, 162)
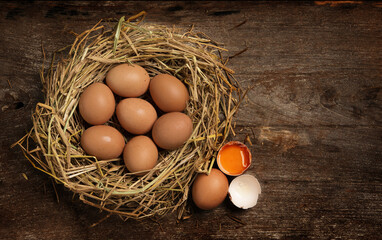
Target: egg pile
point(233, 159)
point(97, 105)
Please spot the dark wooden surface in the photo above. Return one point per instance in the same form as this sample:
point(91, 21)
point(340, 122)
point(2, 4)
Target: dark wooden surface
point(314, 117)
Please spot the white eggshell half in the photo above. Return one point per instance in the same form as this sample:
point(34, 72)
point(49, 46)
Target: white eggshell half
point(244, 191)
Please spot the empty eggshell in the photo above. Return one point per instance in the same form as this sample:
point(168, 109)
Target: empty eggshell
point(128, 80)
point(140, 155)
point(244, 191)
point(97, 104)
point(103, 142)
point(169, 93)
point(136, 115)
point(171, 130)
point(209, 191)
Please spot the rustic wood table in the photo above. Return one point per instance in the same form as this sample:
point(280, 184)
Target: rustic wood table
point(313, 115)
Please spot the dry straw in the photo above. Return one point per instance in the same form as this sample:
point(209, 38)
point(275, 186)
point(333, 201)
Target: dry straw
point(57, 126)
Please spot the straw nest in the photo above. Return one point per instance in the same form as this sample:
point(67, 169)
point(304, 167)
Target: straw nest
point(57, 126)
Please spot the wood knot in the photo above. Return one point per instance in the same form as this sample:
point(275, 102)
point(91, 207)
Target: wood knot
point(329, 98)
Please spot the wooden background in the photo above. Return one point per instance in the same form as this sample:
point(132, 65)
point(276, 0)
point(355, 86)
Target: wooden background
point(314, 117)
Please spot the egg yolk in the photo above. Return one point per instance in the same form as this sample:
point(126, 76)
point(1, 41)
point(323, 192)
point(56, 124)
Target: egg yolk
point(234, 159)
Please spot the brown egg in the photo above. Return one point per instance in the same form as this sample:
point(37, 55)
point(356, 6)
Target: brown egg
point(140, 154)
point(169, 93)
point(209, 191)
point(171, 130)
point(128, 80)
point(103, 142)
point(97, 104)
point(136, 115)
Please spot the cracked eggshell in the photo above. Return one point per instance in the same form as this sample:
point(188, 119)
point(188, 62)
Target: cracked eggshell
point(244, 191)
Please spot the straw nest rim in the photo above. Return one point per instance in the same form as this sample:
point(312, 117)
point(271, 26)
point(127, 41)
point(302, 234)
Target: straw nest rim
point(57, 126)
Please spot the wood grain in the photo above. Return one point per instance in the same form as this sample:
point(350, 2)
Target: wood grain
point(313, 115)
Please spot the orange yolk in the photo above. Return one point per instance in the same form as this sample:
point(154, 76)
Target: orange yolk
point(234, 159)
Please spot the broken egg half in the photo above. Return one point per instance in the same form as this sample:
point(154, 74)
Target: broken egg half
point(244, 191)
point(234, 158)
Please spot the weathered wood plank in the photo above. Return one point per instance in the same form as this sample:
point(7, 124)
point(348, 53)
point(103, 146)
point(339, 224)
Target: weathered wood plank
point(320, 187)
point(314, 117)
